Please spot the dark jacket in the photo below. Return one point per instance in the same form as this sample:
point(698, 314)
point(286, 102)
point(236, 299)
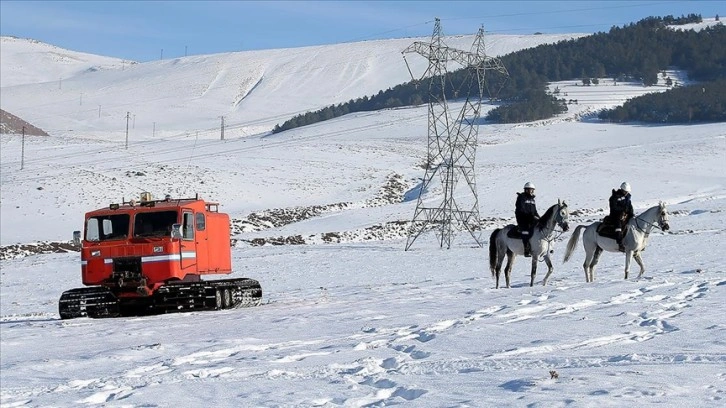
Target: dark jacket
point(526, 210)
point(620, 205)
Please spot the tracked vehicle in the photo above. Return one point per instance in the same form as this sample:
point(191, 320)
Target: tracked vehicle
point(148, 256)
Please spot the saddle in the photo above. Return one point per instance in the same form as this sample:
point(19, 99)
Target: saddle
point(514, 232)
point(607, 228)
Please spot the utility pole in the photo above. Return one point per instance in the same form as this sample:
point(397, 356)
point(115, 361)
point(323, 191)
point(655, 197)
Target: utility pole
point(133, 125)
point(81, 100)
point(60, 81)
point(22, 151)
point(222, 128)
point(99, 111)
point(452, 141)
point(153, 130)
point(162, 54)
point(127, 130)
point(185, 50)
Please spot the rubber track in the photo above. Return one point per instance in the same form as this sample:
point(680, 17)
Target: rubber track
point(95, 301)
point(174, 297)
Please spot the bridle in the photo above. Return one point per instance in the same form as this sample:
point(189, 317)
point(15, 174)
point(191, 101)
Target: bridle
point(643, 230)
point(554, 233)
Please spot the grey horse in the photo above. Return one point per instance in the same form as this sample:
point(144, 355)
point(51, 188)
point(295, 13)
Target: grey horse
point(541, 242)
point(634, 241)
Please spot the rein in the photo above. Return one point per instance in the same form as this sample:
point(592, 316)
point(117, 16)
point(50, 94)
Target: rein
point(551, 238)
point(639, 228)
point(549, 242)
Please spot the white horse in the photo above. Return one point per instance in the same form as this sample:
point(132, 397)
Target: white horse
point(541, 243)
point(634, 240)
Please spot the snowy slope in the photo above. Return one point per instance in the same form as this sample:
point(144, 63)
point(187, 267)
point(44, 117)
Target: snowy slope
point(26, 61)
point(361, 322)
point(253, 90)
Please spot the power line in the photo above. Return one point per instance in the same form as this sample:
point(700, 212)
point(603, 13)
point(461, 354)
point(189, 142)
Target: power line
point(22, 151)
point(497, 17)
point(452, 142)
point(96, 158)
point(222, 130)
point(565, 11)
point(127, 130)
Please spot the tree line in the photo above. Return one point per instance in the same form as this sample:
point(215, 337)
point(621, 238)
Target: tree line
point(704, 102)
point(635, 52)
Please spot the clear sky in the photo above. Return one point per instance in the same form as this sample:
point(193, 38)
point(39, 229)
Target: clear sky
point(150, 30)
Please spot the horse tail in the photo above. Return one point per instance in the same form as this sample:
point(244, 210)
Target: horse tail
point(493, 251)
point(572, 243)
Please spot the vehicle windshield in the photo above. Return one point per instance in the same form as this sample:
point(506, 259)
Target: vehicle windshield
point(154, 224)
point(107, 227)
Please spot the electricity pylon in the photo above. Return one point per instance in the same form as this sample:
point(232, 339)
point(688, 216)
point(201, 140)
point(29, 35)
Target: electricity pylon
point(451, 141)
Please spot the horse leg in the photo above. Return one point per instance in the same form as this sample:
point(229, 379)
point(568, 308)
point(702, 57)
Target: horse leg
point(508, 268)
point(586, 266)
point(587, 271)
point(639, 260)
point(496, 271)
point(628, 254)
point(534, 269)
point(498, 265)
point(548, 261)
point(595, 260)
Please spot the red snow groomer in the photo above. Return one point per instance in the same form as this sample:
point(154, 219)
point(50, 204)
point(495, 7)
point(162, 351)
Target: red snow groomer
point(148, 257)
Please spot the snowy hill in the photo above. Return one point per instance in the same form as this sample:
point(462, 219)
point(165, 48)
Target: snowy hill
point(26, 61)
point(348, 318)
point(253, 90)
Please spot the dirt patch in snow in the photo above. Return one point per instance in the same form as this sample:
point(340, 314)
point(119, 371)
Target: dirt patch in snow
point(11, 124)
point(45, 247)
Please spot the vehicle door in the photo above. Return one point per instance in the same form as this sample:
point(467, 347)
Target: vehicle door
point(202, 242)
point(188, 243)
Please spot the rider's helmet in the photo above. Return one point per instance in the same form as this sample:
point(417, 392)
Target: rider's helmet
point(625, 187)
point(529, 185)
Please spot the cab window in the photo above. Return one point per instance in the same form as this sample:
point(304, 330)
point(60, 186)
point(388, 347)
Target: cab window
point(107, 227)
point(188, 226)
point(201, 222)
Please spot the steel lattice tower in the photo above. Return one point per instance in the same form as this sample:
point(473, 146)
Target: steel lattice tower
point(451, 141)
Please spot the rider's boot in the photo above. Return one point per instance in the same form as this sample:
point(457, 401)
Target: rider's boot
point(527, 248)
point(619, 240)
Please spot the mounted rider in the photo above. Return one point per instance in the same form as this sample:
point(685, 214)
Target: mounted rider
point(526, 214)
point(621, 211)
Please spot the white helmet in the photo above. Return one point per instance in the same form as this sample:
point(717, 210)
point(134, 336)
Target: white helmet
point(529, 185)
point(625, 187)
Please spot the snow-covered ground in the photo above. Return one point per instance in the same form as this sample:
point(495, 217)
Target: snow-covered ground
point(361, 322)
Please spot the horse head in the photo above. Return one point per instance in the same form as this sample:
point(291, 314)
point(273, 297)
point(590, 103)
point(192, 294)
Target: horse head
point(562, 215)
point(663, 217)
